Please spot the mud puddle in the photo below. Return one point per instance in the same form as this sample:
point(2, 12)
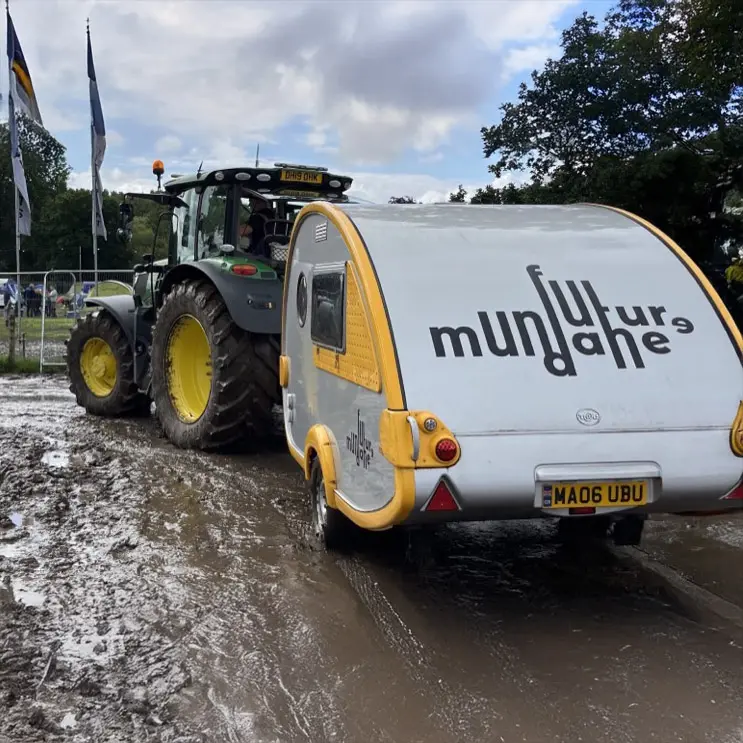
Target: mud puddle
point(149, 594)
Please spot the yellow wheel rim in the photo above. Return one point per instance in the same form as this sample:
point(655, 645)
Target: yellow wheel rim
point(188, 360)
point(98, 367)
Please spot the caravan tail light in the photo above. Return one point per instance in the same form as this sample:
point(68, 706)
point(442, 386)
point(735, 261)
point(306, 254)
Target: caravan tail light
point(446, 450)
point(442, 499)
point(244, 269)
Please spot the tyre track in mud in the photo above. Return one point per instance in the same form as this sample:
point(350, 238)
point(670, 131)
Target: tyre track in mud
point(221, 623)
point(76, 661)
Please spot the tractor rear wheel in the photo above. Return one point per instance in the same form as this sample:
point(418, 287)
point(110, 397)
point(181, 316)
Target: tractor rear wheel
point(100, 366)
point(213, 383)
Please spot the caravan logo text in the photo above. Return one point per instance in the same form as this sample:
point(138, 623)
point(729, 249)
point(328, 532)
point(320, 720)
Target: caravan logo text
point(604, 330)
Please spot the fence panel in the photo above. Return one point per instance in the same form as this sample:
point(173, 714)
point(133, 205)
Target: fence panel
point(65, 303)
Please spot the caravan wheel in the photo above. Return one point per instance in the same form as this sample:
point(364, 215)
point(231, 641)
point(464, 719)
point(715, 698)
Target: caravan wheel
point(330, 527)
point(213, 383)
point(100, 365)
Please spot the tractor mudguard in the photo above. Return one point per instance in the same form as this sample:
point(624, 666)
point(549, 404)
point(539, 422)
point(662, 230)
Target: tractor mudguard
point(121, 307)
point(254, 303)
point(137, 330)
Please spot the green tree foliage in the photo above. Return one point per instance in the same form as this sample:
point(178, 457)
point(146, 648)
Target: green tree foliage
point(402, 200)
point(459, 196)
point(61, 217)
point(644, 112)
point(46, 170)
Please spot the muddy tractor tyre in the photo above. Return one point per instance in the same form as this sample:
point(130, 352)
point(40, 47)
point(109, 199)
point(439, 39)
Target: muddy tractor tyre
point(100, 366)
point(214, 384)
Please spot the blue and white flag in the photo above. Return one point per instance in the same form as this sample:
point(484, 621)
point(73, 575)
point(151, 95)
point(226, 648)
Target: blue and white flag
point(21, 94)
point(98, 144)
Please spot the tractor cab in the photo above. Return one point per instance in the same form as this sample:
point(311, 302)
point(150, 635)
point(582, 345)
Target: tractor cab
point(229, 215)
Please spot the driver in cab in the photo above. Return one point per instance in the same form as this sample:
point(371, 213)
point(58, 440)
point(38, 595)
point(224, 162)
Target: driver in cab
point(253, 232)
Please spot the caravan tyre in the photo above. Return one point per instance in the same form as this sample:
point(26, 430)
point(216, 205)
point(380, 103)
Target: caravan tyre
point(214, 384)
point(330, 528)
point(100, 366)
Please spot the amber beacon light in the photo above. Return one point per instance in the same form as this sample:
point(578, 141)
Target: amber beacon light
point(158, 168)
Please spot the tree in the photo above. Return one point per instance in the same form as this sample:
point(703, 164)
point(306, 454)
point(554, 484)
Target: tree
point(458, 196)
point(65, 226)
point(645, 113)
point(402, 200)
point(47, 170)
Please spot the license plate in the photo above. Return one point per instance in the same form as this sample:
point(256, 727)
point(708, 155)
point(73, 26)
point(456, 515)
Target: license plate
point(301, 176)
point(623, 493)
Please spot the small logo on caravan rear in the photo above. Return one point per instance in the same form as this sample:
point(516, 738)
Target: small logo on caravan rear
point(588, 417)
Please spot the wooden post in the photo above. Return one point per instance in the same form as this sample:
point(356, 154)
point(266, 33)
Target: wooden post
point(11, 340)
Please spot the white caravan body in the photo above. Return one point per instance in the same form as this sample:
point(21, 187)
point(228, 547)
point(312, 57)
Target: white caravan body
point(577, 358)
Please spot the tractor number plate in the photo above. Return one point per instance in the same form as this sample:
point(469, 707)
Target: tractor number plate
point(626, 493)
point(301, 176)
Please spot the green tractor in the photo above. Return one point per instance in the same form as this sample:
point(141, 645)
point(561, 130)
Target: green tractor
point(200, 334)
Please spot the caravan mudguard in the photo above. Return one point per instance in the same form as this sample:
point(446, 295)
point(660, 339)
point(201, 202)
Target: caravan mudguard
point(486, 362)
point(254, 302)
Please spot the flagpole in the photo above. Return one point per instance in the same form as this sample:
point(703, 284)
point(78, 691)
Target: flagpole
point(11, 112)
point(17, 258)
point(93, 189)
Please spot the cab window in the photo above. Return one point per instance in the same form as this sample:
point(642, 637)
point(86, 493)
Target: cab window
point(327, 324)
point(184, 226)
point(212, 218)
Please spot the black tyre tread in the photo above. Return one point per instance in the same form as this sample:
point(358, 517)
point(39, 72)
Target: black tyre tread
point(126, 400)
point(245, 382)
point(339, 531)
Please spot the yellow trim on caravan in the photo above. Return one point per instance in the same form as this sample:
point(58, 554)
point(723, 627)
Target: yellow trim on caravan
point(320, 441)
point(736, 433)
point(403, 499)
point(284, 371)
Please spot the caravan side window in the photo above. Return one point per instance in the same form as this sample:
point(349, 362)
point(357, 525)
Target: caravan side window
point(328, 322)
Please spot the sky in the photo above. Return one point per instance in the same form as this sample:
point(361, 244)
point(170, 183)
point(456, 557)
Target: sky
point(392, 93)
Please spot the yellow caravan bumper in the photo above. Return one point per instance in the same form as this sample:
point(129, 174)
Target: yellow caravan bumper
point(409, 440)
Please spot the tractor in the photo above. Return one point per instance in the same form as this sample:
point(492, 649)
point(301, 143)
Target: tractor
point(200, 333)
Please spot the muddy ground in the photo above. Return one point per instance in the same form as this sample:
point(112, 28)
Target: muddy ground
point(150, 594)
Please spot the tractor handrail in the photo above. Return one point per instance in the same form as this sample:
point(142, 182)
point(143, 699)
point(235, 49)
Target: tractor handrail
point(126, 286)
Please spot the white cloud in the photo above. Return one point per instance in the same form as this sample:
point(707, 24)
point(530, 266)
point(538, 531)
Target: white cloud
point(168, 143)
point(525, 59)
point(114, 138)
point(372, 78)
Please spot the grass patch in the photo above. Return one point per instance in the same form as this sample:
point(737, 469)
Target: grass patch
point(55, 328)
point(26, 366)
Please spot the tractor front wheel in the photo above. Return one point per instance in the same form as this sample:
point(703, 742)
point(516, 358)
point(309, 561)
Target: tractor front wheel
point(100, 365)
point(213, 383)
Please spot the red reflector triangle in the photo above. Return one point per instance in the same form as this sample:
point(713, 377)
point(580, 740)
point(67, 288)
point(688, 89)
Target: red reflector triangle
point(735, 494)
point(442, 499)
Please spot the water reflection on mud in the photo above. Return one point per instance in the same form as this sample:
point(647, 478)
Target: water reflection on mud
point(187, 600)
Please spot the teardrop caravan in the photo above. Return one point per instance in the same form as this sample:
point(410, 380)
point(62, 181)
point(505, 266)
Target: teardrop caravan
point(461, 362)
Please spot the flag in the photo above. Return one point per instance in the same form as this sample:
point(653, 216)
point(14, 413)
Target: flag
point(21, 87)
point(98, 144)
point(20, 93)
